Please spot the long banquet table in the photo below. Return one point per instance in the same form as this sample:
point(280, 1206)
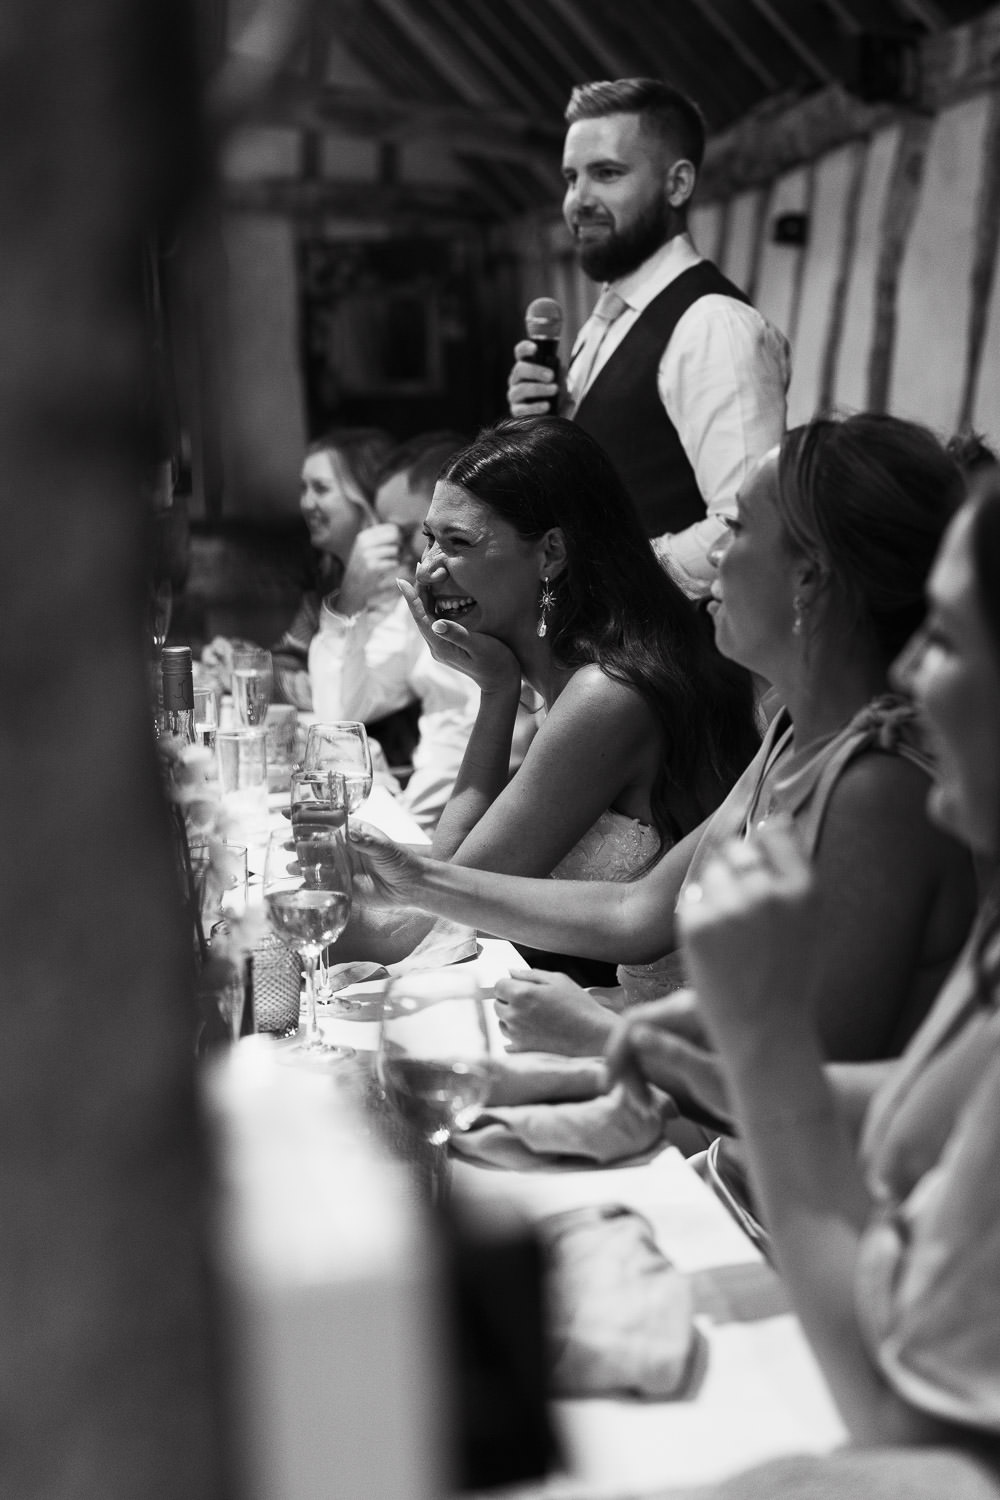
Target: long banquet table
point(333, 1293)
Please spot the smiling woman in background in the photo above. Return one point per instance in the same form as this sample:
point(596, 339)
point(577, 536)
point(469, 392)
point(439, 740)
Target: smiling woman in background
point(339, 474)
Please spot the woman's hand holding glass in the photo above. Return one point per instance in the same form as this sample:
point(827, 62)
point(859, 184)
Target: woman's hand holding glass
point(388, 874)
point(307, 887)
point(341, 747)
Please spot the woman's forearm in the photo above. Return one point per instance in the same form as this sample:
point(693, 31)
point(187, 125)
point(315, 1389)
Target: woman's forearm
point(484, 770)
point(816, 1205)
point(621, 923)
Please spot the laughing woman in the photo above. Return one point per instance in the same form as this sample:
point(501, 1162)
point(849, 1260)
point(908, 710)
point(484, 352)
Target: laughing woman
point(537, 570)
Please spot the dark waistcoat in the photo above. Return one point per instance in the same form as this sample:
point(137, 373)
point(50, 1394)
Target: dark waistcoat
point(623, 411)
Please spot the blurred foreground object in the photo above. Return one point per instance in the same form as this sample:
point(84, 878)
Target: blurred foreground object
point(110, 1372)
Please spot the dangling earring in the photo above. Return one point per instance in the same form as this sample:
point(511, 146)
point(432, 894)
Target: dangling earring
point(799, 607)
point(545, 607)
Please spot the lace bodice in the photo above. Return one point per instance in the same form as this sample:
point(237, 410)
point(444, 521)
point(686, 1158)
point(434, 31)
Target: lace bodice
point(617, 848)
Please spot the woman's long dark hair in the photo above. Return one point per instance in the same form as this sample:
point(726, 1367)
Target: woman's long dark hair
point(984, 550)
point(616, 605)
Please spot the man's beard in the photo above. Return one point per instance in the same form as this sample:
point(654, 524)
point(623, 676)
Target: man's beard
point(624, 250)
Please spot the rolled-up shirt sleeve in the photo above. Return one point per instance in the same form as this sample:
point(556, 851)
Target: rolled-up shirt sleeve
point(360, 665)
point(928, 1282)
point(723, 381)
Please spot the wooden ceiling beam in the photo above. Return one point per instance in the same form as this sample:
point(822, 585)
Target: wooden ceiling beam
point(296, 197)
point(927, 12)
point(440, 52)
point(794, 37)
point(619, 64)
point(503, 134)
point(748, 55)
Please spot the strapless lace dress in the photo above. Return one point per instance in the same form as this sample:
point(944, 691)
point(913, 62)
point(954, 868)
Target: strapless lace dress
point(617, 848)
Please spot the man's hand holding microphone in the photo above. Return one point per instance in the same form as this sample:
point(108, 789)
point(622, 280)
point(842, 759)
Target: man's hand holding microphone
point(533, 387)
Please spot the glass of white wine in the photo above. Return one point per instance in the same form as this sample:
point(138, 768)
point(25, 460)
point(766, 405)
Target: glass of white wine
point(307, 887)
point(434, 1056)
point(252, 681)
point(342, 747)
point(206, 717)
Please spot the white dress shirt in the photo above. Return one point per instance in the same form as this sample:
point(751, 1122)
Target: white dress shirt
point(370, 664)
point(722, 380)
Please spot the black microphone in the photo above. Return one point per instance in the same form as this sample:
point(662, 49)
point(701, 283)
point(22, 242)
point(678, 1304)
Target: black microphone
point(543, 320)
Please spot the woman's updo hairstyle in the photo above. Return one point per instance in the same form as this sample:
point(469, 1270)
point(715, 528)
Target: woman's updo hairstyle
point(868, 499)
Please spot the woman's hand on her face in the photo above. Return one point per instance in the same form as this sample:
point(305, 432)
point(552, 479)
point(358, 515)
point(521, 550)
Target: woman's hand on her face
point(371, 568)
point(385, 874)
point(540, 1011)
point(665, 1042)
point(492, 666)
point(747, 927)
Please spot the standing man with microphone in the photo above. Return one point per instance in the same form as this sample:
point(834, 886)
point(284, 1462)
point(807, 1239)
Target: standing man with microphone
point(674, 373)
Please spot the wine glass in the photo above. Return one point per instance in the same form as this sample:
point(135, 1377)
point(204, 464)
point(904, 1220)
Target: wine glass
point(314, 796)
point(252, 680)
point(307, 887)
point(342, 747)
point(434, 1056)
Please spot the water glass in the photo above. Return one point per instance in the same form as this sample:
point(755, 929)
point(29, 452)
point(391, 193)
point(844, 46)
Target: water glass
point(252, 680)
point(242, 755)
point(434, 1055)
point(206, 716)
point(342, 747)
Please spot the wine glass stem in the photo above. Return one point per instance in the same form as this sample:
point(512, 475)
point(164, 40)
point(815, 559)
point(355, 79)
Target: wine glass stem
point(440, 1176)
point(312, 1025)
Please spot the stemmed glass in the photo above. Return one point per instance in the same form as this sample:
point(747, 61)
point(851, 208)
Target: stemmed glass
point(342, 747)
point(252, 679)
point(307, 887)
point(434, 1056)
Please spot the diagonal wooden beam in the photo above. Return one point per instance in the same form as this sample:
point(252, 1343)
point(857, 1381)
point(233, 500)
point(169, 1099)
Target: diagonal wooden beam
point(747, 54)
point(927, 12)
point(504, 134)
point(441, 52)
point(794, 39)
point(620, 64)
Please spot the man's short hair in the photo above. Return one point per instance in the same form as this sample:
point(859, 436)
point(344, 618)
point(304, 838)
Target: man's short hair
point(674, 117)
point(421, 458)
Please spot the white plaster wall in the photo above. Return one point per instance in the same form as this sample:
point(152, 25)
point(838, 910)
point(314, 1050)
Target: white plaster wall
point(986, 410)
point(705, 221)
point(738, 257)
point(819, 276)
point(851, 382)
point(250, 154)
point(934, 292)
point(778, 263)
point(261, 395)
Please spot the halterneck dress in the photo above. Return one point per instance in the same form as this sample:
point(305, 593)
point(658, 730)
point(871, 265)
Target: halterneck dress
point(777, 780)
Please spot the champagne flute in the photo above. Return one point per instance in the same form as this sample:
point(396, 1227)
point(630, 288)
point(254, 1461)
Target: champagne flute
point(307, 887)
point(252, 680)
point(434, 1056)
point(315, 796)
point(342, 747)
point(206, 716)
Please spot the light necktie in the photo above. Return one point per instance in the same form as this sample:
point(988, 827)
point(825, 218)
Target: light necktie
point(609, 307)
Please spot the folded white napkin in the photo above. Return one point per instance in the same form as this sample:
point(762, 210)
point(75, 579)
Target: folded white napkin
point(446, 943)
point(621, 1317)
point(606, 1127)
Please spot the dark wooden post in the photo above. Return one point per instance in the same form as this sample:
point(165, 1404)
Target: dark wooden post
point(108, 1387)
